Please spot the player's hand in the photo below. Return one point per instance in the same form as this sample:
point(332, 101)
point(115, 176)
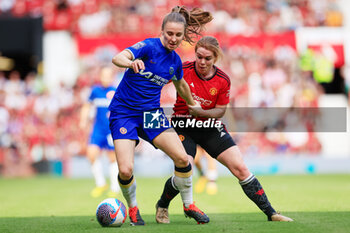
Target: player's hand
point(137, 65)
point(195, 110)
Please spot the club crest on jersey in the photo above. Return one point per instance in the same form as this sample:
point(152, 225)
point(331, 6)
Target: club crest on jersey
point(122, 130)
point(213, 91)
point(182, 138)
point(171, 70)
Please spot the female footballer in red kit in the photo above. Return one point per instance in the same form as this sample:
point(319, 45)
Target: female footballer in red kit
point(211, 87)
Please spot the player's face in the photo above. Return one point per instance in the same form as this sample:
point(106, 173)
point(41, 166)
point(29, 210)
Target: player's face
point(172, 35)
point(106, 77)
point(205, 60)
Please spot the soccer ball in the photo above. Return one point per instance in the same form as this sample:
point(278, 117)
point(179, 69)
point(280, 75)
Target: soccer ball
point(111, 212)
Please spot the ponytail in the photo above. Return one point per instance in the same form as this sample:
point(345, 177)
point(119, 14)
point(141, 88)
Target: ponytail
point(193, 21)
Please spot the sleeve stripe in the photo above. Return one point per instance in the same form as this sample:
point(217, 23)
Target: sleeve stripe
point(188, 65)
point(224, 77)
point(132, 54)
point(222, 74)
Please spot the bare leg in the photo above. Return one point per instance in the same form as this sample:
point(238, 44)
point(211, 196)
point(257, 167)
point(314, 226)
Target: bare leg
point(93, 153)
point(124, 150)
point(113, 173)
point(202, 180)
point(212, 175)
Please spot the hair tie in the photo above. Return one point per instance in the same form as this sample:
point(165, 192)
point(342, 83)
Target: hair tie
point(177, 9)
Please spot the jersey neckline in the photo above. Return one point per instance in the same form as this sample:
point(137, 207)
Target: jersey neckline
point(162, 46)
point(199, 76)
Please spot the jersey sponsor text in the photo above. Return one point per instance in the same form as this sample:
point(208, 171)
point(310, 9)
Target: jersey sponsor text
point(154, 78)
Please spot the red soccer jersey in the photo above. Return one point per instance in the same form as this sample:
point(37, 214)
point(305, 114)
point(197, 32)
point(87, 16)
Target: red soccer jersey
point(209, 92)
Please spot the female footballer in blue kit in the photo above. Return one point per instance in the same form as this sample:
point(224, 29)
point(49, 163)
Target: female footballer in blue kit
point(151, 64)
point(100, 137)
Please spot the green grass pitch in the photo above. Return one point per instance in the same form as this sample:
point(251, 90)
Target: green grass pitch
point(317, 203)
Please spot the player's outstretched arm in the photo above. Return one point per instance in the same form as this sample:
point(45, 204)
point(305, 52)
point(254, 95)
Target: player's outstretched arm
point(184, 91)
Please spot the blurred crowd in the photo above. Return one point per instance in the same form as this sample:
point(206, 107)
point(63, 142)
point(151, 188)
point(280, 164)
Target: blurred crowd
point(103, 17)
point(39, 125)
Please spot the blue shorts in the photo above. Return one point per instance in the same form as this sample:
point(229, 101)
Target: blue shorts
point(102, 140)
point(146, 125)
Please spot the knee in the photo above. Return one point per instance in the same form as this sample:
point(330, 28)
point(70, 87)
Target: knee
point(182, 161)
point(111, 157)
point(125, 172)
point(242, 172)
point(91, 157)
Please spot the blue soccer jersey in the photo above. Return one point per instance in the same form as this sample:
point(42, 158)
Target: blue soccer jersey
point(101, 97)
point(140, 92)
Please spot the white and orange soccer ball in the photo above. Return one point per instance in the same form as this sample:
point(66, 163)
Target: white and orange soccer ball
point(111, 212)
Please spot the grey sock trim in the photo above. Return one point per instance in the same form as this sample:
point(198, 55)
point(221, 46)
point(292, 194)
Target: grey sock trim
point(247, 180)
point(173, 184)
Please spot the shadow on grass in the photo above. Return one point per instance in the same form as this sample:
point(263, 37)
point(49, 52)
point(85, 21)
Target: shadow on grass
point(232, 222)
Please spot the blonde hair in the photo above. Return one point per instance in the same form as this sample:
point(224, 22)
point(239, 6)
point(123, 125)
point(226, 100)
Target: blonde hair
point(212, 44)
point(193, 21)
